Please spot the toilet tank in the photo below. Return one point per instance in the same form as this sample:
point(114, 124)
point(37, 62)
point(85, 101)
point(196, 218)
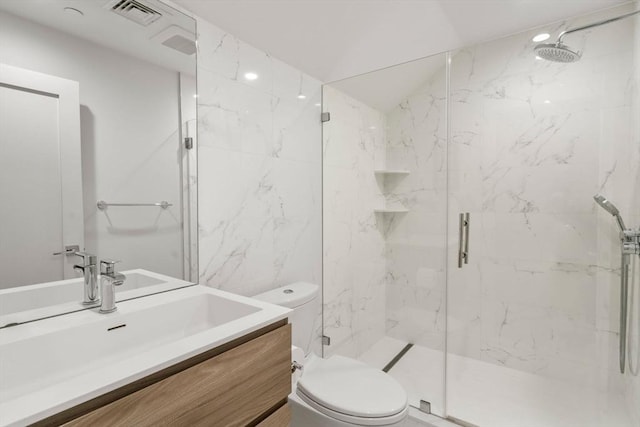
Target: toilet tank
point(302, 298)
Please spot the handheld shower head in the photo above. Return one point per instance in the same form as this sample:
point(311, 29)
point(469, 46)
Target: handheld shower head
point(609, 207)
point(606, 205)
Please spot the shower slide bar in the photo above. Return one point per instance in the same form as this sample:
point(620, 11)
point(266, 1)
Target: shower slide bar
point(630, 245)
point(102, 205)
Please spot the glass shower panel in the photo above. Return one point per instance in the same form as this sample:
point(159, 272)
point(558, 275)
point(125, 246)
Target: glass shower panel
point(384, 221)
point(533, 317)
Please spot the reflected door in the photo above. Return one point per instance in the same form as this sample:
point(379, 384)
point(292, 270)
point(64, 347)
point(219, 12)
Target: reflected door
point(40, 177)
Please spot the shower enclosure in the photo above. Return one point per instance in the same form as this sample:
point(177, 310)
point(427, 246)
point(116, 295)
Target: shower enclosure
point(463, 250)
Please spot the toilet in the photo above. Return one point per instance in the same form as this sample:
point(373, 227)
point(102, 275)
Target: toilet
point(338, 391)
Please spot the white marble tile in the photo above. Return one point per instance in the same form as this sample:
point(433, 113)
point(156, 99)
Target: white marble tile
point(354, 257)
point(292, 122)
point(264, 230)
point(229, 57)
point(531, 143)
point(631, 199)
point(259, 171)
point(415, 243)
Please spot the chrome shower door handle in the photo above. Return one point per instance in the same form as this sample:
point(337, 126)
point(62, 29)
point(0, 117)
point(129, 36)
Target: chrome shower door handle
point(467, 226)
point(463, 239)
point(460, 239)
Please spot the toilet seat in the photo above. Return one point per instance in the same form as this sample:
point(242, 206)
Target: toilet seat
point(351, 391)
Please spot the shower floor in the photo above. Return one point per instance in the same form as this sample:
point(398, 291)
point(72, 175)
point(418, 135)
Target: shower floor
point(488, 395)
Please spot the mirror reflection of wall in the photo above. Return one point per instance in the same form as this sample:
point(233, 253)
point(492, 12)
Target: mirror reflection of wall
point(136, 85)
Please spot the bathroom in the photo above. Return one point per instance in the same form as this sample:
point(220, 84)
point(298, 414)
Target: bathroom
point(438, 194)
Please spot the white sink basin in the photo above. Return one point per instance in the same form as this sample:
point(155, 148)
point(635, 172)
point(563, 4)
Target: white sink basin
point(57, 363)
point(32, 302)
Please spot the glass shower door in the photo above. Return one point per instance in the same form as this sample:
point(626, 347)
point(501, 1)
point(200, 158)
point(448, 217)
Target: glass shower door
point(384, 224)
point(533, 312)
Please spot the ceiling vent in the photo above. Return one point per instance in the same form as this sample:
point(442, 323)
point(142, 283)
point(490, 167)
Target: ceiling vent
point(135, 11)
point(177, 38)
point(181, 44)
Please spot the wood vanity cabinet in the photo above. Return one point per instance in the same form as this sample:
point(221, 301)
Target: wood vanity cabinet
point(243, 383)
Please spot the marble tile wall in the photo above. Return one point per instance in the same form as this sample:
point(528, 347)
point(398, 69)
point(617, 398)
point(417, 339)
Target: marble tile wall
point(632, 184)
point(354, 246)
point(259, 169)
point(416, 241)
point(531, 143)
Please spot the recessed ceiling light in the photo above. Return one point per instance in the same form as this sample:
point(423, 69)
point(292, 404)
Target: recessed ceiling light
point(546, 101)
point(317, 104)
point(541, 37)
point(250, 76)
point(537, 57)
point(302, 96)
point(73, 11)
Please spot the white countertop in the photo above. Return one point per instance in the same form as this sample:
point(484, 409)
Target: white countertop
point(66, 392)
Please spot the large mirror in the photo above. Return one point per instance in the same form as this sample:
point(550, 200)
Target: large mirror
point(97, 149)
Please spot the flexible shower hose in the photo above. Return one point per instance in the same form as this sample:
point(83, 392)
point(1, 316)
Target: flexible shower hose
point(634, 297)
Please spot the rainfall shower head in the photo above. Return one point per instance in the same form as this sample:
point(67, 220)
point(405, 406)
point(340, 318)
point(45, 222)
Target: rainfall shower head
point(560, 52)
point(557, 52)
point(609, 207)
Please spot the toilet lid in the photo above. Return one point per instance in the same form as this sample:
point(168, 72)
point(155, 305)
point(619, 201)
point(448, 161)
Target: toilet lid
point(351, 387)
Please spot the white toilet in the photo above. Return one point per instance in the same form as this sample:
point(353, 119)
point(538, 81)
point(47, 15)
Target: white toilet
point(337, 391)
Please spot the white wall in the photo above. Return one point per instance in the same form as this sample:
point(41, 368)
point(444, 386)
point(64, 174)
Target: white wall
point(259, 169)
point(129, 124)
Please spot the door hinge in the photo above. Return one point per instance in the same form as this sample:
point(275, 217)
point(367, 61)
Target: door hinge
point(188, 143)
point(325, 117)
point(326, 340)
point(425, 406)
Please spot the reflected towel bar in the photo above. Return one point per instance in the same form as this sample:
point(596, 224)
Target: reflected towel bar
point(102, 205)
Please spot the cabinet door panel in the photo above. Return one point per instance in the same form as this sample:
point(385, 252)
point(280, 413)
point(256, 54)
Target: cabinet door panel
point(231, 389)
point(280, 418)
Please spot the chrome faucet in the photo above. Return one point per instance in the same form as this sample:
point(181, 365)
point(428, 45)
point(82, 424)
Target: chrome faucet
point(89, 270)
point(109, 279)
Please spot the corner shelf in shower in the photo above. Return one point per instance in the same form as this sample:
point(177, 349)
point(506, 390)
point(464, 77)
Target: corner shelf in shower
point(391, 172)
point(391, 210)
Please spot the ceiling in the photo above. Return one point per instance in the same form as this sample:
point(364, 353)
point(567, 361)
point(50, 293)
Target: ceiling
point(96, 22)
point(335, 39)
point(385, 89)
